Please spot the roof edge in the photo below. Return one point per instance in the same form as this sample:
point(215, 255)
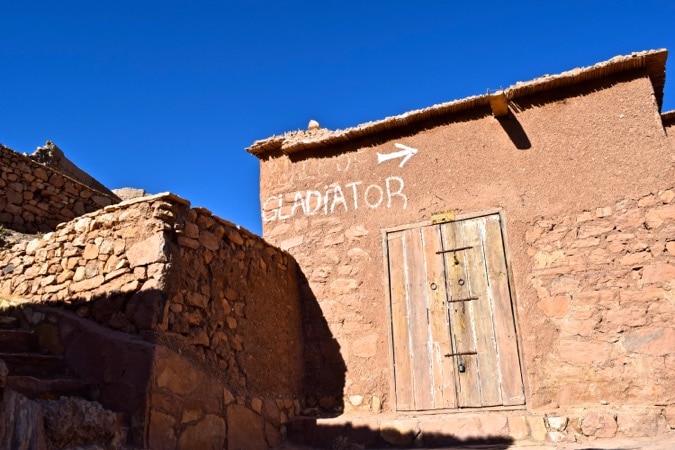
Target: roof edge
point(654, 61)
point(668, 117)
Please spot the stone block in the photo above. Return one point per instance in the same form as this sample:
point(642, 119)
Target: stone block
point(537, 428)
point(246, 429)
point(356, 400)
point(177, 376)
point(271, 412)
point(658, 273)
point(400, 432)
point(656, 342)
point(601, 424)
point(518, 428)
point(161, 430)
point(556, 436)
point(256, 405)
point(442, 431)
point(638, 424)
point(208, 434)
point(376, 404)
point(654, 218)
point(556, 307)
point(494, 425)
point(150, 250)
point(273, 436)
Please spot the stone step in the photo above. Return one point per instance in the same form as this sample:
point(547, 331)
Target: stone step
point(33, 364)
point(453, 430)
point(50, 388)
point(17, 341)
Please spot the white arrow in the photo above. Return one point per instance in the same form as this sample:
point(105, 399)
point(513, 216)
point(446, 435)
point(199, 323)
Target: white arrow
point(406, 153)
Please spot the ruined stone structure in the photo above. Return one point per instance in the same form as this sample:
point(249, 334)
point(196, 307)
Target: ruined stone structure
point(36, 197)
point(505, 261)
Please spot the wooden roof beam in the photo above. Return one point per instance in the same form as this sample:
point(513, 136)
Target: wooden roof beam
point(499, 104)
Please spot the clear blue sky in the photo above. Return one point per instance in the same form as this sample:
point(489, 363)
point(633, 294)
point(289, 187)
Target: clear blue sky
point(165, 95)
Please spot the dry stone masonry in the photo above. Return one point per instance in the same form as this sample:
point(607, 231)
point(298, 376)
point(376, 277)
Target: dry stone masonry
point(605, 279)
point(35, 197)
point(221, 304)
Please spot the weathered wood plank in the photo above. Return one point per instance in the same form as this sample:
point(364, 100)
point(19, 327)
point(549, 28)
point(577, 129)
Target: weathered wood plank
point(488, 379)
point(504, 325)
point(418, 323)
point(442, 368)
point(403, 378)
point(461, 328)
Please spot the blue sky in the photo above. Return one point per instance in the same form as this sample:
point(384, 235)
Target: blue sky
point(165, 95)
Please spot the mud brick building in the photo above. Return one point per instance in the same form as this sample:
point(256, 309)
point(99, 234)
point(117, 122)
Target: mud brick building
point(508, 255)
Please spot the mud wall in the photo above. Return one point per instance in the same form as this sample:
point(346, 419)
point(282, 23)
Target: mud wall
point(34, 197)
point(557, 155)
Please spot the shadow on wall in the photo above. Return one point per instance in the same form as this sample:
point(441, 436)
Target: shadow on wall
point(325, 369)
point(349, 436)
point(515, 131)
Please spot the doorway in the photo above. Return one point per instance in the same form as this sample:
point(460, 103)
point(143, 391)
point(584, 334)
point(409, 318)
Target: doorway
point(453, 330)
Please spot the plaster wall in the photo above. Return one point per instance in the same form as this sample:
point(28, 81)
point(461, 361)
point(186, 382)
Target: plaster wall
point(559, 154)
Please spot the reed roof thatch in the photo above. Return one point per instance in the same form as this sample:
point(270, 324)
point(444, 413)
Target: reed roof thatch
point(653, 61)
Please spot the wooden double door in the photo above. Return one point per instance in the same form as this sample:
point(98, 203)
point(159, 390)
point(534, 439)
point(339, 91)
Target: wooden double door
point(453, 330)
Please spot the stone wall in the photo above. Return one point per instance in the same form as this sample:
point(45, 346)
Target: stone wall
point(192, 409)
point(34, 197)
point(236, 304)
point(52, 156)
point(213, 298)
point(605, 282)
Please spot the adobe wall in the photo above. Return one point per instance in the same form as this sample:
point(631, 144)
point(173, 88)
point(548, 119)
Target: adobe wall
point(669, 126)
point(561, 155)
point(34, 197)
point(220, 305)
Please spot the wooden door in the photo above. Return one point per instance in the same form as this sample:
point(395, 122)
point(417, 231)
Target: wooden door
point(453, 333)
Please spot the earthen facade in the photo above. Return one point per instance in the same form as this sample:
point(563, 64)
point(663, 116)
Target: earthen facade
point(574, 175)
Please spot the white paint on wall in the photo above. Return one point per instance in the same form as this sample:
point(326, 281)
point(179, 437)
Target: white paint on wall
point(406, 153)
point(336, 198)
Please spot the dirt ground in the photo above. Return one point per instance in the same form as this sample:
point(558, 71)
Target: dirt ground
point(661, 443)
